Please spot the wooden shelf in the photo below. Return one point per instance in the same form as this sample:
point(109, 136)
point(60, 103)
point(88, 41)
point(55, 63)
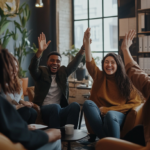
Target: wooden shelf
point(143, 52)
point(121, 37)
point(144, 32)
point(144, 10)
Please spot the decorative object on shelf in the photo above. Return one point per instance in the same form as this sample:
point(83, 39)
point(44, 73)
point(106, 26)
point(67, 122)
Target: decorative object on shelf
point(5, 14)
point(80, 72)
point(39, 3)
point(10, 7)
point(71, 53)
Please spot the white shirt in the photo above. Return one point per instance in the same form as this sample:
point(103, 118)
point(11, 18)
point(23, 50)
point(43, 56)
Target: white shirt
point(54, 94)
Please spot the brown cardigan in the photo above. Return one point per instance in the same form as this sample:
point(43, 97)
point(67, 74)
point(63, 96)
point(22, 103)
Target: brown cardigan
point(105, 92)
point(142, 82)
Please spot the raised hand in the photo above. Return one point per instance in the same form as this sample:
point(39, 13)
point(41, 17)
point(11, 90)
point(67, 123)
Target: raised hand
point(85, 41)
point(127, 42)
point(87, 35)
point(42, 42)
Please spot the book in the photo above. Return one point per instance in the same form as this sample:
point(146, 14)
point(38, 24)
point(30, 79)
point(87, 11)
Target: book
point(37, 126)
point(147, 22)
point(148, 43)
point(126, 24)
point(140, 44)
point(144, 43)
point(144, 4)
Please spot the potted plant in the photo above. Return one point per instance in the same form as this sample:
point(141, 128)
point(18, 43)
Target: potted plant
point(24, 48)
point(81, 71)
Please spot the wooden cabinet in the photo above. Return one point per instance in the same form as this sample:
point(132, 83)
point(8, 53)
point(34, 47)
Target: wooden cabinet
point(77, 94)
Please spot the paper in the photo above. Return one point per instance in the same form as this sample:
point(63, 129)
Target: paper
point(38, 126)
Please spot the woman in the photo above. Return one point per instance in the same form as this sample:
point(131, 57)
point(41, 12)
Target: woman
point(24, 108)
point(112, 94)
point(11, 123)
point(141, 133)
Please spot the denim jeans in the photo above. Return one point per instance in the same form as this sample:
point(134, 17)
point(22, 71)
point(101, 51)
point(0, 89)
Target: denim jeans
point(55, 116)
point(107, 126)
point(51, 146)
point(29, 115)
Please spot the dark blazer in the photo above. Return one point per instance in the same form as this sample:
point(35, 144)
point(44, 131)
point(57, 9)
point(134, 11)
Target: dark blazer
point(42, 78)
point(15, 128)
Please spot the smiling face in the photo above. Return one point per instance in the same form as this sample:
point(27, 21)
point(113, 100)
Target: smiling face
point(54, 62)
point(110, 65)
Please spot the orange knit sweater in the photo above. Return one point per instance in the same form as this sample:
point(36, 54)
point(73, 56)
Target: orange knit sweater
point(106, 94)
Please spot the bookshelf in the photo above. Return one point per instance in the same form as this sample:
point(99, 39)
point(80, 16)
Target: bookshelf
point(143, 10)
point(143, 57)
point(144, 32)
point(144, 52)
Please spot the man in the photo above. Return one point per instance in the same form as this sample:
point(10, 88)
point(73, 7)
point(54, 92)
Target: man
point(51, 87)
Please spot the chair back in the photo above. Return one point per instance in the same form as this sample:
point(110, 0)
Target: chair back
point(30, 91)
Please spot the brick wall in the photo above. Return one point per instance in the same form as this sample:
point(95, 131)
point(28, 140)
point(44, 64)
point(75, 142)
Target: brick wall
point(64, 27)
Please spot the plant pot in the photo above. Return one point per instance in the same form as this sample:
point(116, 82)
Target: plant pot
point(80, 74)
point(24, 85)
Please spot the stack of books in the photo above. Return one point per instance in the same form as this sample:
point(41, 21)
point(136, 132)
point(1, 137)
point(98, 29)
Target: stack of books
point(144, 63)
point(145, 4)
point(144, 43)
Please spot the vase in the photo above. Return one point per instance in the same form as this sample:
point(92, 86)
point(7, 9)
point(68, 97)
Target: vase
point(80, 74)
point(24, 86)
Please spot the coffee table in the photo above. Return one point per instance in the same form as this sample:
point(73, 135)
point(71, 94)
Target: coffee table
point(78, 135)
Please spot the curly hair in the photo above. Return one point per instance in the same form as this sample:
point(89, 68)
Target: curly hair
point(8, 80)
point(122, 80)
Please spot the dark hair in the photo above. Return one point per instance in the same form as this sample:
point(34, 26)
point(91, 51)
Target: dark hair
point(122, 80)
point(9, 83)
point(53, 53)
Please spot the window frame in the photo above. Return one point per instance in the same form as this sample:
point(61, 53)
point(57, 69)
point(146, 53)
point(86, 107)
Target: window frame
point(88, 20)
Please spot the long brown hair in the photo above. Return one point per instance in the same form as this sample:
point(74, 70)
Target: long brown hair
point(122, 80)
point(9, 82)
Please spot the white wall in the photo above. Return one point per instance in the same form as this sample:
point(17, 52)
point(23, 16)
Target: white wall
point(64, 27)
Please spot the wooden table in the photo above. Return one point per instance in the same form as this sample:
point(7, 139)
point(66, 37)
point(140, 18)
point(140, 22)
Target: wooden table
point(78, 135)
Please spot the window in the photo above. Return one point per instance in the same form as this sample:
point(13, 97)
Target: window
point(102, 17)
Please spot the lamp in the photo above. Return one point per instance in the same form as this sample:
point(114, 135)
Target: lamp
point(39, 3)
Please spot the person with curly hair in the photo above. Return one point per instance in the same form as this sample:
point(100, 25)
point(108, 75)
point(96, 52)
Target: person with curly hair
point(12, 124)
point(24, 108)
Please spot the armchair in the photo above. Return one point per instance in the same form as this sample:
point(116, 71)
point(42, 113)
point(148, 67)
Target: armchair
point(118, 144)
point(7, 144)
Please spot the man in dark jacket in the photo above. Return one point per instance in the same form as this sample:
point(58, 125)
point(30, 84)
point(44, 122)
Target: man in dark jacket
point(52, 89)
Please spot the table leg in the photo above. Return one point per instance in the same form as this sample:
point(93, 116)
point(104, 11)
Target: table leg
point(69, 146)
point(80, 118)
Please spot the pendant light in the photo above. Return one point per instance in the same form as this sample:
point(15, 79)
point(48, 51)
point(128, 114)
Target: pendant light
point(39, 3)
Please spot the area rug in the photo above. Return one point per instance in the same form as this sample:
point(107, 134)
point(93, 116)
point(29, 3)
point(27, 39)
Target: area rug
point(81, 145)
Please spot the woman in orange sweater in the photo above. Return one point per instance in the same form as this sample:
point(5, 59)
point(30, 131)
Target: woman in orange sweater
point(112, 94)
